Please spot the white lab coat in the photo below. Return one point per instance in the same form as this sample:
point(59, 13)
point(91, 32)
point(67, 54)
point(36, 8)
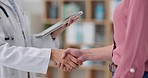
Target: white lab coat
point(22, 53)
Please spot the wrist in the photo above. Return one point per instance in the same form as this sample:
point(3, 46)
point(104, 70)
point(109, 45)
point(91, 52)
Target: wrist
point(56, 53)
point(84, 55)
point(52, 54)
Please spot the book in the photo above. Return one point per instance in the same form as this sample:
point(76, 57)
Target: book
point(99, 11)
point(57, 25)
point(81, 33)
point(88, 29)
point(70, 8)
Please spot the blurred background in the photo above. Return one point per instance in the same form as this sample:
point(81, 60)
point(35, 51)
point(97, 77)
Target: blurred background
point(93, 29)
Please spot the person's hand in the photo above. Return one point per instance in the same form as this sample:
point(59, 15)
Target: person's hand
point(68, 63)
point(63, 27)
point(67, 59)
point(74, 52)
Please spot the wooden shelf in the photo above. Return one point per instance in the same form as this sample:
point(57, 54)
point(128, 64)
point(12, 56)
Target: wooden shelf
point(52, 21)
point(88, 6)
point(99, 22)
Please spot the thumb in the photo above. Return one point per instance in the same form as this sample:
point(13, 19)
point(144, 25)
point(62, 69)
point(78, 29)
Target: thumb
point(82, 59)
point(64, 54)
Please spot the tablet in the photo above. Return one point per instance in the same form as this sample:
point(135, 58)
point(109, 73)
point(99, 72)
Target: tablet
point(58, 25)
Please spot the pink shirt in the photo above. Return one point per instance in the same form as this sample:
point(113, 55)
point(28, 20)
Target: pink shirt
point(131, 38)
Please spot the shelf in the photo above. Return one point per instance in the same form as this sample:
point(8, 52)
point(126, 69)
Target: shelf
point(52, 10)
point(99, 22)
point(95, 23)
point(52, 21)
point(70, 7)
point(98, 10)
point(97, 44)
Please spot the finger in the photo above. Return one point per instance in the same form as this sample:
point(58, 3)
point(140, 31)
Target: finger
point(70, 21)
point(76, 63)
point(55, 63)
point(68, 70)
point(58, 64)
point(63, 55)
point(68, 65)
point(80, 63)
point(62, 66)
point(72, 61)
point(65, 69)
point(75, 60)
point(81, 59)
point(64, 25)
point(73, 65)
point(76, 18)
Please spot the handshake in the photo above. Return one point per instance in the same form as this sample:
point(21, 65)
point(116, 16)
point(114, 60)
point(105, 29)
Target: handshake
point(67, 59)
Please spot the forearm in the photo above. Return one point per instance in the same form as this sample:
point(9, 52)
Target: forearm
point(95, 54)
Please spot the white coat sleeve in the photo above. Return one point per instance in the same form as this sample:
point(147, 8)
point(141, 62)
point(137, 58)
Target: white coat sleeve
point(45, 42)
point(23, 58)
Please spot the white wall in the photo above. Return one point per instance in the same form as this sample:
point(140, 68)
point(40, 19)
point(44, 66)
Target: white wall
point(36, 12)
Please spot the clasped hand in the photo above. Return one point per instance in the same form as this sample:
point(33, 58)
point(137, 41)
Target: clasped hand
point(67, 60)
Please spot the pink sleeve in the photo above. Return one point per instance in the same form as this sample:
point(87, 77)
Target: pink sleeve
point(132, 63)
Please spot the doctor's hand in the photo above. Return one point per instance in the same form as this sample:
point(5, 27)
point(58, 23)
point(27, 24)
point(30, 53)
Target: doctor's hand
point(69, 62)
point(63, 27)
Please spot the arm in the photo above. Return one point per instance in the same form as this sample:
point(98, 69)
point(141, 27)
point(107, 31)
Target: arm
point(27, 59)
point(51, 40)
point(95, 54)
point(32, 59)
point(24, 58)
point(103, 53)
point(134, 48)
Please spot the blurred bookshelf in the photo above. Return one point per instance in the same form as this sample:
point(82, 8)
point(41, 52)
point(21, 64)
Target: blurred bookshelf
point(93, 29)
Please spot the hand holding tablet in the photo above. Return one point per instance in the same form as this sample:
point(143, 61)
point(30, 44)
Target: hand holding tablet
point(59, 24)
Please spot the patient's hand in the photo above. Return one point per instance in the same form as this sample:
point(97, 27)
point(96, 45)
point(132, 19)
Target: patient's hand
point(68, 63)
